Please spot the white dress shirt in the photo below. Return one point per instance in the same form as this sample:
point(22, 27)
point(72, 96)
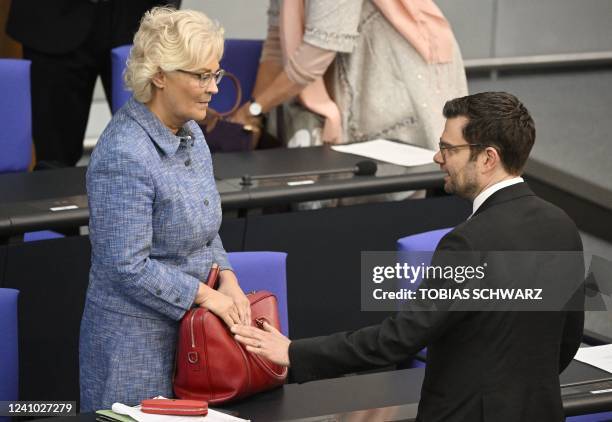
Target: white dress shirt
point(484, 195)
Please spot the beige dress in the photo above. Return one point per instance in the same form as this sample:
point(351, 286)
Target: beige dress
point(382, 86)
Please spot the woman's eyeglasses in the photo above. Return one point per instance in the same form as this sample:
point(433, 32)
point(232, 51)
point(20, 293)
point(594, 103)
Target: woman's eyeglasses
point(206, 77)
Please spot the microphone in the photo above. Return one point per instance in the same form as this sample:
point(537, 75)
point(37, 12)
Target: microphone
point(362, 168)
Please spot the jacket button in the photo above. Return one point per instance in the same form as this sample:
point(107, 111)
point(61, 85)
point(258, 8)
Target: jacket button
point(177, 300)
point(158, 292)
point(208, 244)
point(206, 202)
point(187, 163)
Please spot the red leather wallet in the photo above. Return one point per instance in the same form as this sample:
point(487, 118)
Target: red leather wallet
point(174, 407)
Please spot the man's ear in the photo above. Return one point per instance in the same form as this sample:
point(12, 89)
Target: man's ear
point(491, 158)
point(159, 80)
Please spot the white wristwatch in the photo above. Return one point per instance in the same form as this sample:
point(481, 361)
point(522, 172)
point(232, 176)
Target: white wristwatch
point(255, 109)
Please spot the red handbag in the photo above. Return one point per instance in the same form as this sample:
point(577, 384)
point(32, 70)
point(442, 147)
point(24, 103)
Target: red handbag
point(211, 365)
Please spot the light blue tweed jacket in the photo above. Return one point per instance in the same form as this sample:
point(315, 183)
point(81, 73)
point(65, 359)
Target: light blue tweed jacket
point(154, 218)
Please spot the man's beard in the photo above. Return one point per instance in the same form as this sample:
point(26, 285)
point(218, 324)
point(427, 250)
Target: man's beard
point(468, 188)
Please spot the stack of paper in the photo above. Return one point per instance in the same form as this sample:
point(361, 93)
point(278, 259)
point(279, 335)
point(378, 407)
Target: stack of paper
point(391, 152)
point(597, 356)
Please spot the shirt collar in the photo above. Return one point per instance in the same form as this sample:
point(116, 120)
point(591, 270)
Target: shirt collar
point(167, 141)
point(485, 194)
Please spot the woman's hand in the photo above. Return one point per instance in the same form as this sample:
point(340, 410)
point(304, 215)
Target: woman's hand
point(229, 286)
point(219, 304)
point(268, 343)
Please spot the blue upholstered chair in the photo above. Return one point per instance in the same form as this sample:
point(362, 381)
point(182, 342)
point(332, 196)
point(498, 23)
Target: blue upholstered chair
point(241, 57)
point(16, 124)
point(15, 116)
point(119, 94)
point(41, 235)
point(9, 362)
point(264, 271)
point(420, 242)
point(418, 248)
point(595, 417)
point(426, 241)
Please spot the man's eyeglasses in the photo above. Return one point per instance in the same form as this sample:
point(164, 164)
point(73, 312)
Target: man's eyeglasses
point(445, 148)
point(206, 77)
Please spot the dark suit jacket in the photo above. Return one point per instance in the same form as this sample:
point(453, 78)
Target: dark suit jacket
point(60, 26)
point(481, 366)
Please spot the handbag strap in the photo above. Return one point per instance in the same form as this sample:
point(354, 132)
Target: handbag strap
point(213, 276)
point(236, 105)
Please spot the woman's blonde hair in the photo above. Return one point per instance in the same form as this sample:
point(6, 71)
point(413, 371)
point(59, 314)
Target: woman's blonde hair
point(170, 39)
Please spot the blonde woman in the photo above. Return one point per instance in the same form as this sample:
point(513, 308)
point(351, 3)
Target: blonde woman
point(154, 215)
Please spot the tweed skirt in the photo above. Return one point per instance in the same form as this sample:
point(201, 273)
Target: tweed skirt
point(123, 358)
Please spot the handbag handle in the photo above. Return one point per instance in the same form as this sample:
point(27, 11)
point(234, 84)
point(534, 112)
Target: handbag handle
point(236, 105)
point(213, 276)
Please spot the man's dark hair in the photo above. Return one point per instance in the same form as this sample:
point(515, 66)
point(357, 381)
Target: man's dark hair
point(496, 119)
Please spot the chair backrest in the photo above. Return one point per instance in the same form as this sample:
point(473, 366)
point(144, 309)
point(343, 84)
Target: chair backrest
point(41, 235)
point(120, 95)
point(422, 242)
point(416, 249)
point(593, 417)
point(15, 115)
point(264, 271)
point(241, 57)
point(9, 361)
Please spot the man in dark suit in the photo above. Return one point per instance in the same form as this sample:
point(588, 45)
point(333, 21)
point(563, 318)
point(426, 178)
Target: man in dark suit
point(481, 366)
point(69, 43)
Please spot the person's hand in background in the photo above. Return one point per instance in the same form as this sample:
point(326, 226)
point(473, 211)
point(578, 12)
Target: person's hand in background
point(250, 123)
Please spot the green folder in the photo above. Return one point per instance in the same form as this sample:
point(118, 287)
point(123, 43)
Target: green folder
point(110, 416)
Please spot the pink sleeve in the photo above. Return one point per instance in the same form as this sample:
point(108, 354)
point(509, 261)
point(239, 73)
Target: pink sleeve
point(271, 50)
point(308, 63)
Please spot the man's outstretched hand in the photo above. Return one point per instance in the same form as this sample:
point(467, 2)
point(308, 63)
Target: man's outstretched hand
point(268, 343)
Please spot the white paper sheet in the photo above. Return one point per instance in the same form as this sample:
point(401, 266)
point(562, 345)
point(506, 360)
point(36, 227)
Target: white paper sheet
point(134, 412)
point(598, 356)
point(389, 151)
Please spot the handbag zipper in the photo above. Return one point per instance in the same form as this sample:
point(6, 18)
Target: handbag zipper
point(191, 409)
point(191, 327)
point(246, 363)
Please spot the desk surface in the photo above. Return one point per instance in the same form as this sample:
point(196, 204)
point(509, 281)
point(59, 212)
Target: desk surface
point(26, 198)
point(19, 187)
point(389, 396)
point(285, 160)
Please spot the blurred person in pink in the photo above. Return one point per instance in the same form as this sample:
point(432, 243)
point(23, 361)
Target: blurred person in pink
point(354, 70)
